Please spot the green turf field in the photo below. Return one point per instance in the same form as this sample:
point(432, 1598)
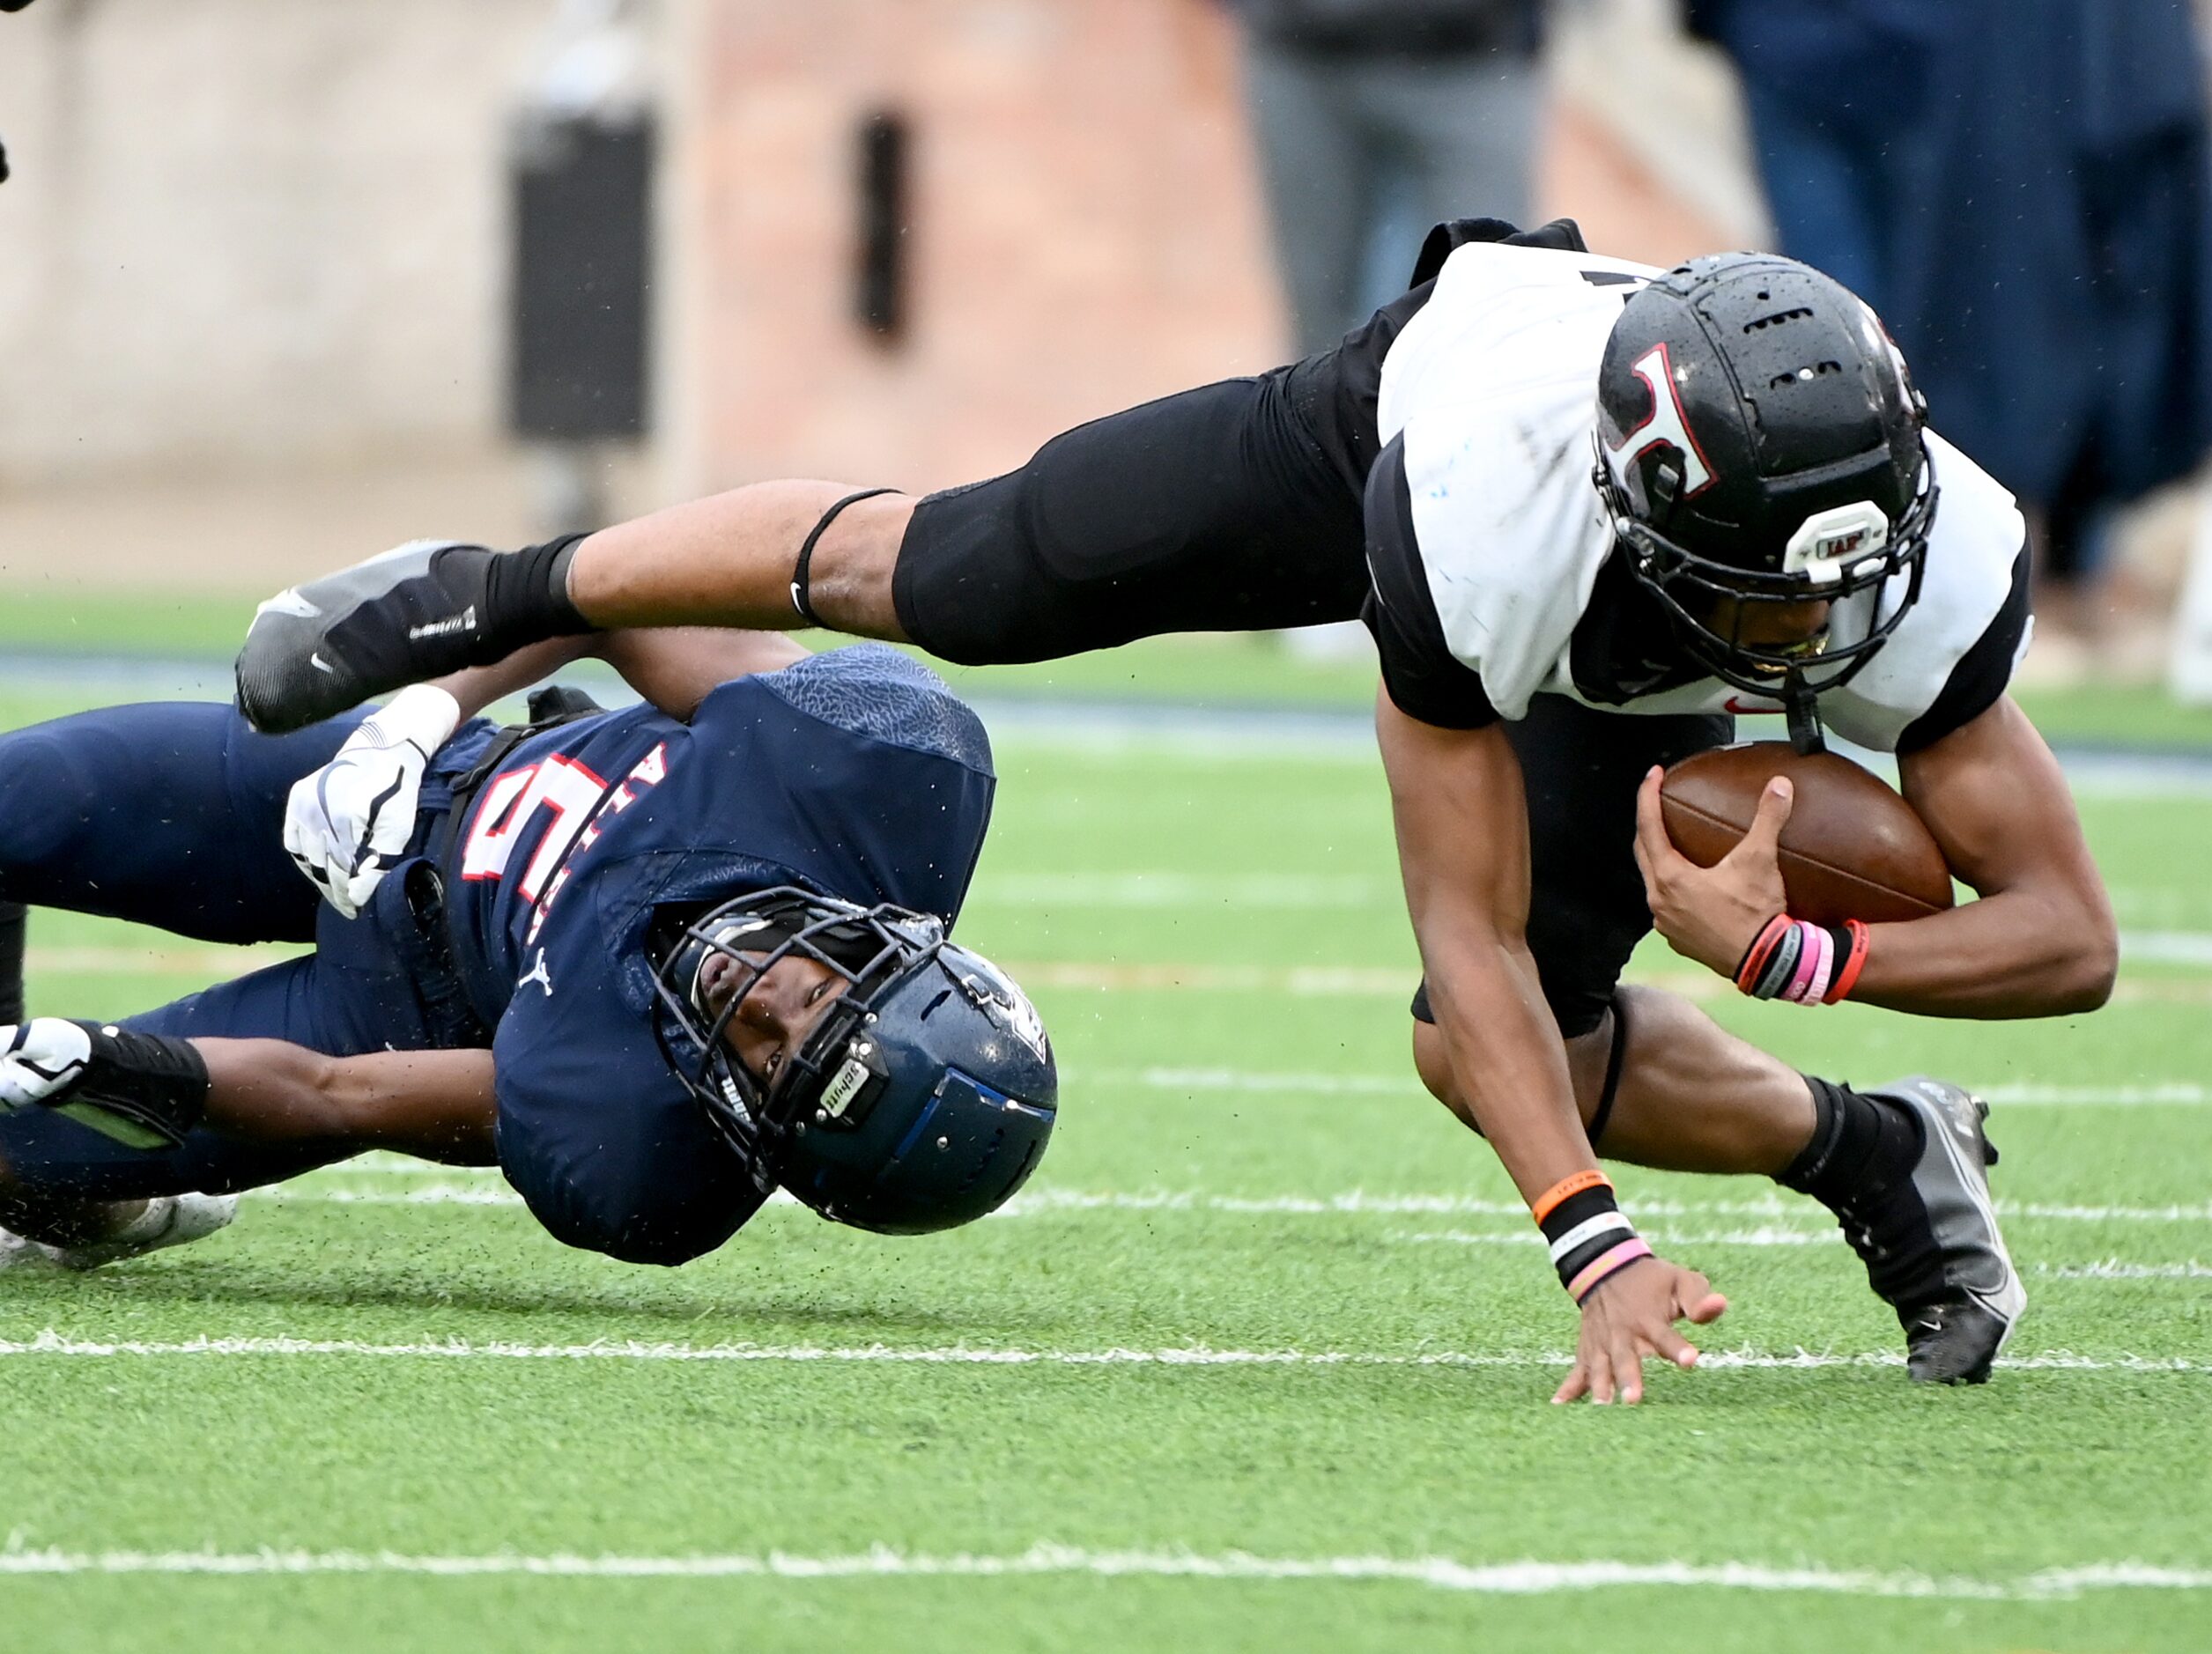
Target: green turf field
point(1258, 1362)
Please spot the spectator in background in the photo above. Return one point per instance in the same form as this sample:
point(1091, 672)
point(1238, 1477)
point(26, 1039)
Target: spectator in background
point(1377, 119)
point(1837, 95)
point(2024, 188)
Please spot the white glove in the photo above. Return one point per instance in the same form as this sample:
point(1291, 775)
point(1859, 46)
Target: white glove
point(38, 1059)
point(349, 821)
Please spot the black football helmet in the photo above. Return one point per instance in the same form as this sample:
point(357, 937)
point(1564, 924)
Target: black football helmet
point(1760, 443)
point(922, 1098)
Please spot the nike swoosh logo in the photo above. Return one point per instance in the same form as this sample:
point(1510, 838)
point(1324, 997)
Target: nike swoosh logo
point(321, 665)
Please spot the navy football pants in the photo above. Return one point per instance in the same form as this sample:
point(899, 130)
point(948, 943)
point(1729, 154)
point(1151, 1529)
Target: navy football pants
point(173, 815)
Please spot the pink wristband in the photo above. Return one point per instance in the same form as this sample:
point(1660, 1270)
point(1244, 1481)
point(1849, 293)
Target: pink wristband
point(1607, 1262)
point(1815, 960)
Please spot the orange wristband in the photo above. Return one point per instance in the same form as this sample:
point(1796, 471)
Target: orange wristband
point(1548, 1202)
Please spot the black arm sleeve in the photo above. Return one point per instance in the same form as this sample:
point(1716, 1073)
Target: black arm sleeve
point(1982, 672)
point(1425, 681)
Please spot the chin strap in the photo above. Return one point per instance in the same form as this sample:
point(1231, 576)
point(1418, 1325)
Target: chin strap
point(1804, 717)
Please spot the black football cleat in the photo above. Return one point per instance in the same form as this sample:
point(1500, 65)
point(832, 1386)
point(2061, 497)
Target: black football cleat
point(316, 649)
point(1930, 1239)
point(418, 612)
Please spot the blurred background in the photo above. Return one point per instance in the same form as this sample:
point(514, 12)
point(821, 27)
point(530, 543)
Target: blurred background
point(283, 283)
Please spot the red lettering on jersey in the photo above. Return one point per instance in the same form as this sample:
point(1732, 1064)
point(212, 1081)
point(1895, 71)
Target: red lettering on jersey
point(544, 906)
point(1668, 425)
point(499, 818)
point(647, 772)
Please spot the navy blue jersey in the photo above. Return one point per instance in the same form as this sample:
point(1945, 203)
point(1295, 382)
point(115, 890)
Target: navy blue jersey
point(855, 772)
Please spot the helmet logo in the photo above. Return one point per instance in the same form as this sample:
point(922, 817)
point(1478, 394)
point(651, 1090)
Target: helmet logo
point(838, 1095)
point(1007, 1005)
point(1832, 539)
point(1668, 426)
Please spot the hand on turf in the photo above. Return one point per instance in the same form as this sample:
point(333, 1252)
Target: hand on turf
point(1713, 914)
point(1629, 1316)
point(39, 1059)
point(350, 822)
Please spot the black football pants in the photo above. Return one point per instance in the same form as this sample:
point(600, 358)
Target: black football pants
point(1220, 509)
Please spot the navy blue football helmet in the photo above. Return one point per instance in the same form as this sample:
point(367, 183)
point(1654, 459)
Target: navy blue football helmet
point(921, 1100)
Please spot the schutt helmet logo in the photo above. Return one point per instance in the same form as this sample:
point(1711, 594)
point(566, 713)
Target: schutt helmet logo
point(1667, 426)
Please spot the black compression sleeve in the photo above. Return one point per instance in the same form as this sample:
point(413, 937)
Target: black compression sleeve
point(526, 596)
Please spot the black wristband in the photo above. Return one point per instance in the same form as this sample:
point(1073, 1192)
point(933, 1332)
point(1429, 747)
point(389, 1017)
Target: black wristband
point(144, 1091)
point(1582, 1229)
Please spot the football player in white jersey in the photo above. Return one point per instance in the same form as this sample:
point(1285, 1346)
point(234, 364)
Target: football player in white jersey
point(1592, 511)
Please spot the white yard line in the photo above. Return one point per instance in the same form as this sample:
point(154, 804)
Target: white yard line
point(50, 1343)
point(2114, 1269)
point(2166, 947)
point(2165, 1093)
point(2174, 1093)
point(1353, 1203)
point(1166, 888)
point(1657, 1236)
point(1382, 982)
point(1522, 1578)
point(423, 1194)
point(2105, 1269)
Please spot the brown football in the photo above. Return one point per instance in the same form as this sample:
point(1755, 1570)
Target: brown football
point(1852, 848)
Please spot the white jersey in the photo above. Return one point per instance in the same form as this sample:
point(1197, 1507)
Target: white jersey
point(1491, 390)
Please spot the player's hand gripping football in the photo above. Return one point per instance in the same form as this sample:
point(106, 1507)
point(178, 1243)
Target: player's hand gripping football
point(350, 822)
point(1713, 914)
point(1632, 1315)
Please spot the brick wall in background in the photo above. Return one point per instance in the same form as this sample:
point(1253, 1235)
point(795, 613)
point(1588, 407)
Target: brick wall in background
point(252, 233)
point(256, 240)
point(1084, 231)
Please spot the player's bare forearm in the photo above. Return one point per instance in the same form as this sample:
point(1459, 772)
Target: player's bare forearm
point(728, 560)
point(1462, 825)
point(433, 1105)
point(676, 667)
point(474, 688)
point(2041, 940)
point(673, 666)
point(1463, 850)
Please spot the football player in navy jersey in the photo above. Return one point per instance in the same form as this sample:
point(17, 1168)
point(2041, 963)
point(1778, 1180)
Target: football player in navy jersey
point(653, 964)
point(1593, 512)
